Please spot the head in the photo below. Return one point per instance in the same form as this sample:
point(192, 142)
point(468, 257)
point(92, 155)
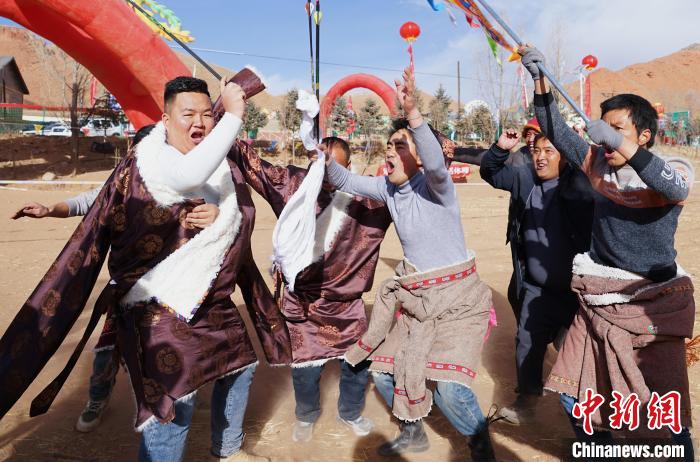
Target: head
point(530, 130)
point(142, 133)
point(188, 116)
point(633, 117)
point(546, 160)
point(338, 149)
point(402, 161)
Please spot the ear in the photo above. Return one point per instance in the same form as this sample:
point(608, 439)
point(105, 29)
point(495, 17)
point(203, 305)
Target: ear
point(644, 137)
point(165, 118)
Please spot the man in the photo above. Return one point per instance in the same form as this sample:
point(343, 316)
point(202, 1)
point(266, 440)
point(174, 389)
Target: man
point(552, 213)
point(325, 313)
point(106, 363)
point(521, 157)
point(444, 308)
point(637, 304)
point(177, 328)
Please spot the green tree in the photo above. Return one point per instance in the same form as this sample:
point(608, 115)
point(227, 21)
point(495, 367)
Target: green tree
point(480, 121)
point(440, 110)
point(288, 115)
point(254, 118)
point(339, 116)
point(369, 119)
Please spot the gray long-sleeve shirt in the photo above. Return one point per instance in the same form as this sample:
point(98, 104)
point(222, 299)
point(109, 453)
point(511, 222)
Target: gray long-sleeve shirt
point(424, 209)
point(80, 204)
point(637, 206)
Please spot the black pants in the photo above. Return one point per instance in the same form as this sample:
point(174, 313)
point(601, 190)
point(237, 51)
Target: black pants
point(542, 314)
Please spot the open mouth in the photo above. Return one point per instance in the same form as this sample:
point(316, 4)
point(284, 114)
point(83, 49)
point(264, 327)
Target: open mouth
point(390, 167)
point(197, 136)
point(540, 165)
point(609, 154)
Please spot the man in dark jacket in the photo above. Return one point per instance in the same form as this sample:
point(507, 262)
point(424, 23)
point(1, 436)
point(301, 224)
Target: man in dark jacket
point(552, 209)
point(518, 158)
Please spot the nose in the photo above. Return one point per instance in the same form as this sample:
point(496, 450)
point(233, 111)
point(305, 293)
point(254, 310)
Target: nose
point(198, 120)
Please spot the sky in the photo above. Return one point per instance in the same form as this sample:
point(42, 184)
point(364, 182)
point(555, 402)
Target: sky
point(363, 36)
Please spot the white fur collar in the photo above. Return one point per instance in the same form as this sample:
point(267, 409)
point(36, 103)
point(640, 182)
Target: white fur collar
point(329, 224)
point(183, 279)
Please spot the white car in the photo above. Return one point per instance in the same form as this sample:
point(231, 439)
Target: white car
point(102, 127)
point(58, 130)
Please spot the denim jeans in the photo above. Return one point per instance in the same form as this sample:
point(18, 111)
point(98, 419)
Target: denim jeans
point(457, 403)
point(307, 391)
point(104, 374)
point(166, 442)
point(568, 402)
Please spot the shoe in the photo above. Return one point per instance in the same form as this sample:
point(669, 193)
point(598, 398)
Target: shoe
point(411, 439)
point(361, 426)
point(302, 431)
point(480, 443)
point(240, 456)
point(522, 411)
point(91, 416)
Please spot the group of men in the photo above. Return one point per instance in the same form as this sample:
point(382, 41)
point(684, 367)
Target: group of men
point(591, 229)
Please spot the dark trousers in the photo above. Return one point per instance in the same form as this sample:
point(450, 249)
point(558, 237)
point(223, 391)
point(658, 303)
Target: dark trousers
point(307, 391)
point(542, 314)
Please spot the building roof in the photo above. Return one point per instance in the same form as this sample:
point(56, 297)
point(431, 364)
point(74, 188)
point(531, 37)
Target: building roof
point(8, 64)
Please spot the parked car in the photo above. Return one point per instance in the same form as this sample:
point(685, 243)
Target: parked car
point(102, 127)
point(57, 130)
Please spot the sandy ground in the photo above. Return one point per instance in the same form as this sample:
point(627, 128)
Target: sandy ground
point(27, 248)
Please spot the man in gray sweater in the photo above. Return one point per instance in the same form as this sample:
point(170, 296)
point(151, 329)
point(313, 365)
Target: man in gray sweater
point(425, 211)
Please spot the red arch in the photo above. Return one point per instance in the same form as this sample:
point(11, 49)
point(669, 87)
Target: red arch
point(370, 82)
point(106, 37)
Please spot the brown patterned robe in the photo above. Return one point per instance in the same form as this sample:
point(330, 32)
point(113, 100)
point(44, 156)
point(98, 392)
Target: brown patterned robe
point(328, 293)
point(167, 357)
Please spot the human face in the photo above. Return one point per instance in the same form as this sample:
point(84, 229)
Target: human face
point(188, 120)
point(401, 157)
point(546, 159)
point(530, 136)
point(620, 120)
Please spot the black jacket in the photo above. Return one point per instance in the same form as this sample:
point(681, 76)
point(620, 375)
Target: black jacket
point(574, 190)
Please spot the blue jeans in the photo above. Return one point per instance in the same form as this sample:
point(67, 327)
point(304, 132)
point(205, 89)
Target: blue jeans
point(104, 374)
point(457, 403)
point(601, 437)
point(307, 391)
point(229, 398)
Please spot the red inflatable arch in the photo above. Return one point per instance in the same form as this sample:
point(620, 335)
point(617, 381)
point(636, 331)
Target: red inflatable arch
point(106, 37)
point(370, 82)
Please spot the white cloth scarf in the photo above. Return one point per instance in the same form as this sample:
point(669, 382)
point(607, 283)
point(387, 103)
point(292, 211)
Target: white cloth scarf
point(293, 238)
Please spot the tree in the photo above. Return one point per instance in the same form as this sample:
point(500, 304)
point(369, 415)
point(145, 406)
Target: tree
point(288, 115)
point(254, 119)
point(497, 89)
point(76, 82)
point(440, 110)
point(480, 122)
point(339, 116)
point(370, 121)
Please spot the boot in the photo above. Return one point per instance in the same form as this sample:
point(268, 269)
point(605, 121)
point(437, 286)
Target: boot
point(411, 439)
point(522, 411)
point(480, 446)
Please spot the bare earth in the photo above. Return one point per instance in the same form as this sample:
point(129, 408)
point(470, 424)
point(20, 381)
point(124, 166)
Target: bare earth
point(27, 248)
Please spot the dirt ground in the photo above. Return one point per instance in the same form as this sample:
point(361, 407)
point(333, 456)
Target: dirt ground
point(29, 246)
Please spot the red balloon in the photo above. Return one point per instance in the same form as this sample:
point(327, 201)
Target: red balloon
point(590, 62)
point(409, 31)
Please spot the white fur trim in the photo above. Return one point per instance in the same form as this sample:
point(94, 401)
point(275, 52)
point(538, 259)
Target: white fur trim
point(255, 71)
point(584, 265)
point(153, 420)
point(104, 348)
point(147, 162)
point(329, 223)
point(314, 363)
point(182, 280)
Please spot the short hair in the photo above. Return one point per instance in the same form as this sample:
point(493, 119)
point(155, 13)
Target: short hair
point(142, 133)
point(183, 84)
point(538, 136)
point(332, 141)
point(641, 111)
point(397, 124)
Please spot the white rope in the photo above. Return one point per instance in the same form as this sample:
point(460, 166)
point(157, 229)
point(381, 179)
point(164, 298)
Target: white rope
point(293, 238)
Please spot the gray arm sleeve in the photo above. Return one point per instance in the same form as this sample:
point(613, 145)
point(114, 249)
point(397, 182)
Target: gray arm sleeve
point(80, 204)
point(671, 178)
point(430, 153)
point(373, 187)
point(554, 127)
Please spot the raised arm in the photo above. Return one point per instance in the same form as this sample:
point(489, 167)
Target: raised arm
point(472, 156)
point(272, 182)
point(373, 187)
point(672, 178)
point(493, 165)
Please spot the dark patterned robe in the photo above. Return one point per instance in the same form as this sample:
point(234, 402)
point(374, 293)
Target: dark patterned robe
point(328, 293)
point(167, 357)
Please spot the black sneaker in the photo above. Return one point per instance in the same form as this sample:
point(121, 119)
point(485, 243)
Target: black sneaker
point(411, 439)
point(91, 416)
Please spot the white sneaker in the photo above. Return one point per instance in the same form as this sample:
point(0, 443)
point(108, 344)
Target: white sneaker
point(91, 416)
point(361, 426)
point(302, 431)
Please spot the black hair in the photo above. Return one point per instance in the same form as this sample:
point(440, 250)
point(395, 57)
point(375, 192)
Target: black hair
point(331, 141)
point(398, 124)
point(183, 84)
point(142, 133)
point(641, 111)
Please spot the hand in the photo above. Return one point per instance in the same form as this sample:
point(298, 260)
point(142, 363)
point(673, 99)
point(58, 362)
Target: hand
point(202, 215)
point(406, 91)
point(603, 134)
point(530, 57)
point(232, 98)
point(508, 139)
point(32, 210)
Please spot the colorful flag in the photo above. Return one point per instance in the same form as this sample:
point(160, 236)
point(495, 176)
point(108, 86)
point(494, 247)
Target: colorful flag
point(494, 49)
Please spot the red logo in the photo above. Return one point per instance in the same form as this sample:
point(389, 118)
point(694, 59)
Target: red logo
point(586, 408)
point(665, 411)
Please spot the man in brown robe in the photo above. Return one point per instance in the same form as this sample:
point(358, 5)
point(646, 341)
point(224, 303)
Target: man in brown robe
point(177, 327)
point(325, 314)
